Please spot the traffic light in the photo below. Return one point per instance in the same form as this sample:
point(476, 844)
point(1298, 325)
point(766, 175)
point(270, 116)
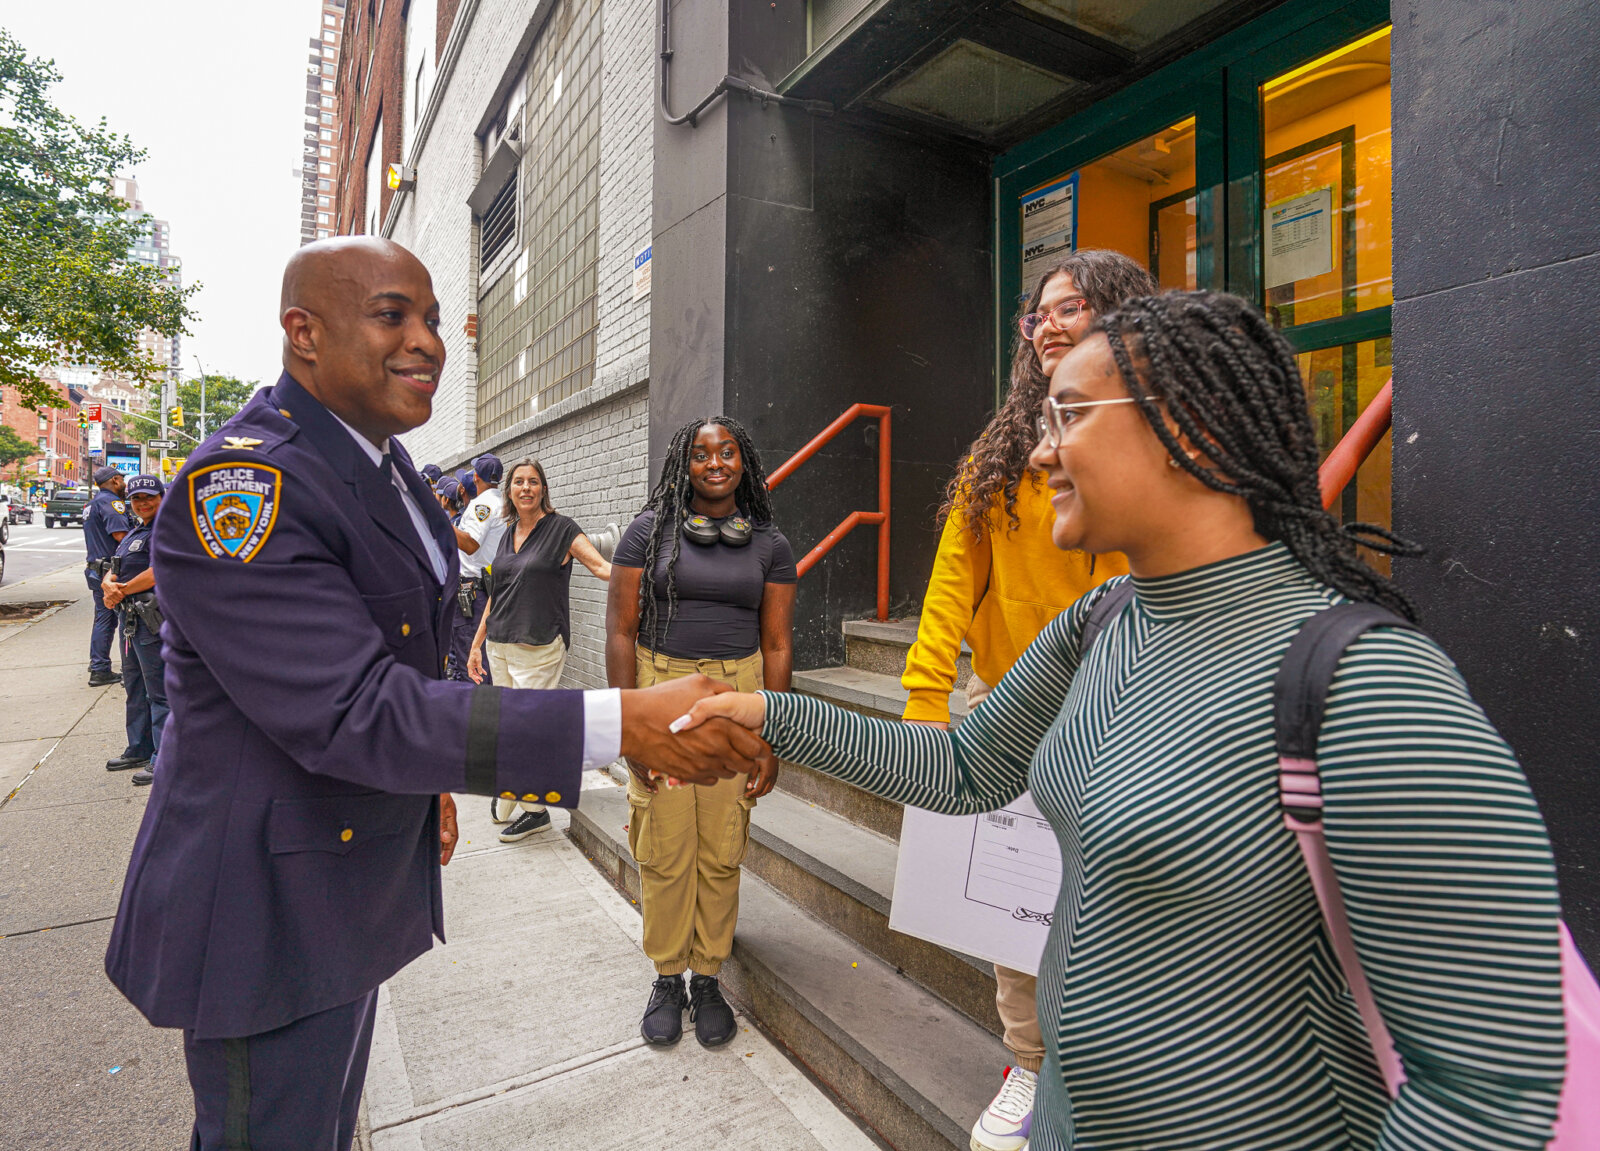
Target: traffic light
point(83, 421)
point(177, 417)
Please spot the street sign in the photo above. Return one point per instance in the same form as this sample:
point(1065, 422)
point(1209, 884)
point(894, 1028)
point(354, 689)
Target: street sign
point(96, 437)
point(162, 445)
point(93, 412)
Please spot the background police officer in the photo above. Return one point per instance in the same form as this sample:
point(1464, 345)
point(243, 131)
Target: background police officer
point(288, 861)
point(477, 537)
point(105, 522)
point(129, 587)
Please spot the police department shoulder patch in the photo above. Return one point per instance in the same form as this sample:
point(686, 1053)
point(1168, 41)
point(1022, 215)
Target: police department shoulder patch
point(483, 512)
point(235, 507)
point(119, 507)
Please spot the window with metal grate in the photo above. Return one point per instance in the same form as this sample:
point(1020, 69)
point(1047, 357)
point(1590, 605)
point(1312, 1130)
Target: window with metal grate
point(499, 223)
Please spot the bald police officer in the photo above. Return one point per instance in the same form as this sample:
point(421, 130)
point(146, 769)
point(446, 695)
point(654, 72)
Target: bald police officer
point(105, 522)
point(288, 861)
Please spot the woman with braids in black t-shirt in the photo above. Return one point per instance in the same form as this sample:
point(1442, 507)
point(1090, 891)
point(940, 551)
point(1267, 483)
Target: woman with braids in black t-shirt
point(718, 600)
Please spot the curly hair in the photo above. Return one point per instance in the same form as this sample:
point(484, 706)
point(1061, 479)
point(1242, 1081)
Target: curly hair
point(670, 500)
point(998, 458)
point(1230, 383)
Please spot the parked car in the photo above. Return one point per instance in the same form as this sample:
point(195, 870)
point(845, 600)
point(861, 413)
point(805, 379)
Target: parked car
point(66, 507)
point(15, 510)
point(2, 561)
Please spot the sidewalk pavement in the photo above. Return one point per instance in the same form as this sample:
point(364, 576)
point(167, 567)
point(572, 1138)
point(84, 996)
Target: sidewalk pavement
point(522, 1033)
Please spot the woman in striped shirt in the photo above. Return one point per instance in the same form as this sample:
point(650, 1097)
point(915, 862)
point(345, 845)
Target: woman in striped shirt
point(1194, 999)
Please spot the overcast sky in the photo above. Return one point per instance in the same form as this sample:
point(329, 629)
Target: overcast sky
point(215, 93)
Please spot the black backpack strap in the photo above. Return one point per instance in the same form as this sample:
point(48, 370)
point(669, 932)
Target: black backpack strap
point(1102, 612)
point(1300, 697)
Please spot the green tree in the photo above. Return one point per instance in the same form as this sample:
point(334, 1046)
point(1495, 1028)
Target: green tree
point(13, 448)
point(69, 293)
point(225, 395)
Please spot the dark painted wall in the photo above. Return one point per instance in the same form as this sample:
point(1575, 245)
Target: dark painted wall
point(855, 266)
point(1497, 381)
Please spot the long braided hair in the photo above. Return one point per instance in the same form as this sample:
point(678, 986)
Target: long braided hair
point(670, 500)
point(998, 458)
point(1230, 383)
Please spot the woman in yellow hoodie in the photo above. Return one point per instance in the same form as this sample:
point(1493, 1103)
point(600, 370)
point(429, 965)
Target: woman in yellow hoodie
point(998, 579)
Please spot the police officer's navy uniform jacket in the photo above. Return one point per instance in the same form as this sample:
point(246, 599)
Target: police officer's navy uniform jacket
point(106, 513)
point(288, 861)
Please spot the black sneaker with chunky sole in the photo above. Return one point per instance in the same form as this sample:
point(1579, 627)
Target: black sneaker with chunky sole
point(143, 778)
point(103, 678)
point(713, 1019)
point(663, 1016)
point(525, 825)
point(126, 762)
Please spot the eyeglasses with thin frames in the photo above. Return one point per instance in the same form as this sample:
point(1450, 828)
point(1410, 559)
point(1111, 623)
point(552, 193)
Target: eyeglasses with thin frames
point(1063, 315)
point(1057, 416)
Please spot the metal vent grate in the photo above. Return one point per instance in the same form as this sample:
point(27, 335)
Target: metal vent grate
point(499, 223)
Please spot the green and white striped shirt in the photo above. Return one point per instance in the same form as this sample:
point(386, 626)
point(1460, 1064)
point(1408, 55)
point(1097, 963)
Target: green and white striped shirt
point(1196, 1001)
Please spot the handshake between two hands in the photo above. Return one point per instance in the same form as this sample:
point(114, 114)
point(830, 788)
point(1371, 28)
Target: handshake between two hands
point(696, 730)
point(692, 730)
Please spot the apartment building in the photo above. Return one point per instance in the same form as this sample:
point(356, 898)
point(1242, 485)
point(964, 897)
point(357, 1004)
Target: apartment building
point(319, 170)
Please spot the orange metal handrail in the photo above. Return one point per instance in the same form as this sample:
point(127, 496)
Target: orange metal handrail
point(854, 519)
point(1352, 451)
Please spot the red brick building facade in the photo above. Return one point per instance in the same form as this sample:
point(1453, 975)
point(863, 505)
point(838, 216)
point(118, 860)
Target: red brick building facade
point(370, 95)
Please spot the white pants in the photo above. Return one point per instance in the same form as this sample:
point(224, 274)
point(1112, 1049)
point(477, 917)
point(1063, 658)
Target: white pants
point(524, 665)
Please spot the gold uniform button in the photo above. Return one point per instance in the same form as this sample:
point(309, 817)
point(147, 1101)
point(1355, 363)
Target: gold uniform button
point(508, 795)
point(530, 798)
point(346, 835)
point(552, 797)
point(283, 412)
point(405, 629)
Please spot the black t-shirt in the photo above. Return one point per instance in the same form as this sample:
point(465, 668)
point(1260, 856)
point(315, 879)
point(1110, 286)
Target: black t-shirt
point(719, 590)
point(530, 587)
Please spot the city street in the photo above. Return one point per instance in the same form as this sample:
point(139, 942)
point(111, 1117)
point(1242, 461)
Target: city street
point(35, 549)
point(521, 1034)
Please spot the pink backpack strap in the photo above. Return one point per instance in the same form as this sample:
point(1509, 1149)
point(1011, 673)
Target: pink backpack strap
point(1300, 696)
point(1301, 788)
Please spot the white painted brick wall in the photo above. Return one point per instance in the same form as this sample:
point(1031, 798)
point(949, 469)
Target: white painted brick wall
point(627, 122)
point(595, 445)
point(595, 461)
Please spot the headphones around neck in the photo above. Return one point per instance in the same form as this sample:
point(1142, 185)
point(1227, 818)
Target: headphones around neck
point(735, 531)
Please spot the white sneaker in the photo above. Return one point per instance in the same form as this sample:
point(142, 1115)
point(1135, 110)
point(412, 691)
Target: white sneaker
point(502, 810)
point(1005, 1125)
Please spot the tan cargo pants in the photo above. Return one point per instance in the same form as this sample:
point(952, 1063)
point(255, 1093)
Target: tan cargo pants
point(689, 842)
point(1017, 992)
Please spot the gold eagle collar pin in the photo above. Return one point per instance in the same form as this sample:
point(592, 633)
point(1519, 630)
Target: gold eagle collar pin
point(240, 443)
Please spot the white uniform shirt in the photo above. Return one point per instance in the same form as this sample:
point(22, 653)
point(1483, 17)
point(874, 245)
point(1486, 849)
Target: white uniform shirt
point(485, 521)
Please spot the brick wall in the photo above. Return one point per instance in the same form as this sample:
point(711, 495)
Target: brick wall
point(627, 109)
point(378, 25)
point(594, 445)
point(435, 223)
point(595, 461)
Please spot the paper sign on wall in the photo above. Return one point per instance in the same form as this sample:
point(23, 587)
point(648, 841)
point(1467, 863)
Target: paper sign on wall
point(983, 884)
point(641, 274)
point(1299, 237)
point(1049, 226)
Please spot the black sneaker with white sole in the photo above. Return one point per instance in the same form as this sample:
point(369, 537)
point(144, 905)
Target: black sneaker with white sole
point(525, 825)
point(713, 1019)
point(663, 1015)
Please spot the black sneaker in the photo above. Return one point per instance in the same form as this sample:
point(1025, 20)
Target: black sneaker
point(713, 1018)
point(103, 678)
point(663, 1016)
point(124, 762)
point(525, 825)
point(143, 778)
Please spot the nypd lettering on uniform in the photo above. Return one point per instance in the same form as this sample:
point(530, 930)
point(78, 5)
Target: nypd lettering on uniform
point(235, 507)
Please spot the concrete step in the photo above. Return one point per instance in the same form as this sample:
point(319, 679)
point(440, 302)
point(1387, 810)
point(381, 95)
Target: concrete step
point(872, 693)
point(844, 875)
point(881, 647)
point(915, 1069)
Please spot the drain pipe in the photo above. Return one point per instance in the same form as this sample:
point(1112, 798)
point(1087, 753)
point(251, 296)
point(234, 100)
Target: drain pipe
point(727, 84)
